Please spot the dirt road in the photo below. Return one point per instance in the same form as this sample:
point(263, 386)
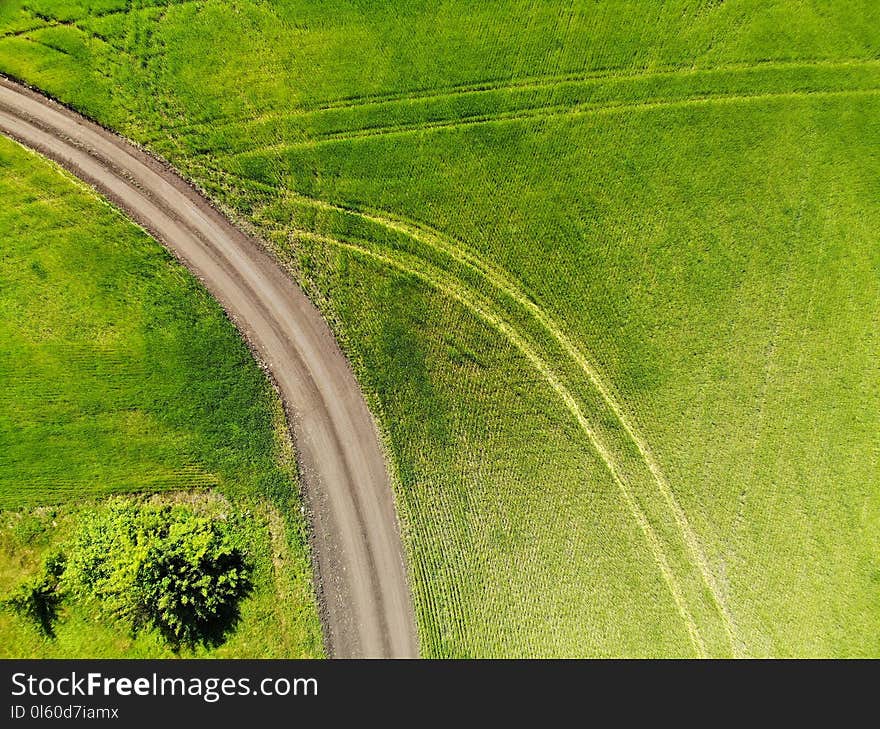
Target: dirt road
point(365, 596)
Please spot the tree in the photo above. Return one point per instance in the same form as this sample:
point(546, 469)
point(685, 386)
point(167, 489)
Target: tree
point(163, 567)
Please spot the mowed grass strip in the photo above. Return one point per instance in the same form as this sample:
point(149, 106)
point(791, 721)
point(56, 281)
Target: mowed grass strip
point(121, 374)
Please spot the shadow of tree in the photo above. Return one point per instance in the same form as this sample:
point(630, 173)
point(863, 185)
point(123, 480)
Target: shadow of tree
point(38, 599)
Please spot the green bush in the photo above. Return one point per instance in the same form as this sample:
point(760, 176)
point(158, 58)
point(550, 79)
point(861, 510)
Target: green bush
point(162, 567)
point(38, 598)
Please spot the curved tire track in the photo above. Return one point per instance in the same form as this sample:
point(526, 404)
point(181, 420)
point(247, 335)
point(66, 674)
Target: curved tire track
point(427, 274)
point(365, 597)
point(499, 280)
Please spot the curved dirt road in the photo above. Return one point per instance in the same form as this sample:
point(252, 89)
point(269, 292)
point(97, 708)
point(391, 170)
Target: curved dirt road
point(366, 602)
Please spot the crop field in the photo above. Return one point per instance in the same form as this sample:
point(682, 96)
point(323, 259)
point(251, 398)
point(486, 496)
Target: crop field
point(609, 274)
point(120, 374)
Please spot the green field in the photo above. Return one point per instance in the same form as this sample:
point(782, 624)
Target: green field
point(608, 272)
point(121, 374)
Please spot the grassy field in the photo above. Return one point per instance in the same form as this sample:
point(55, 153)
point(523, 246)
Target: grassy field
point(608, 272)
point(120, 374)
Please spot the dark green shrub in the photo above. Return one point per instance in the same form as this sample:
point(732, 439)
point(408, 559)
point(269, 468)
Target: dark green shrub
point(161, 567)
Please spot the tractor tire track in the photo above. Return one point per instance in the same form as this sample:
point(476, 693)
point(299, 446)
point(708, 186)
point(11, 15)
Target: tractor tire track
point(437, 280)
point(555, 111)
point(536, 83)
point(503, 284)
